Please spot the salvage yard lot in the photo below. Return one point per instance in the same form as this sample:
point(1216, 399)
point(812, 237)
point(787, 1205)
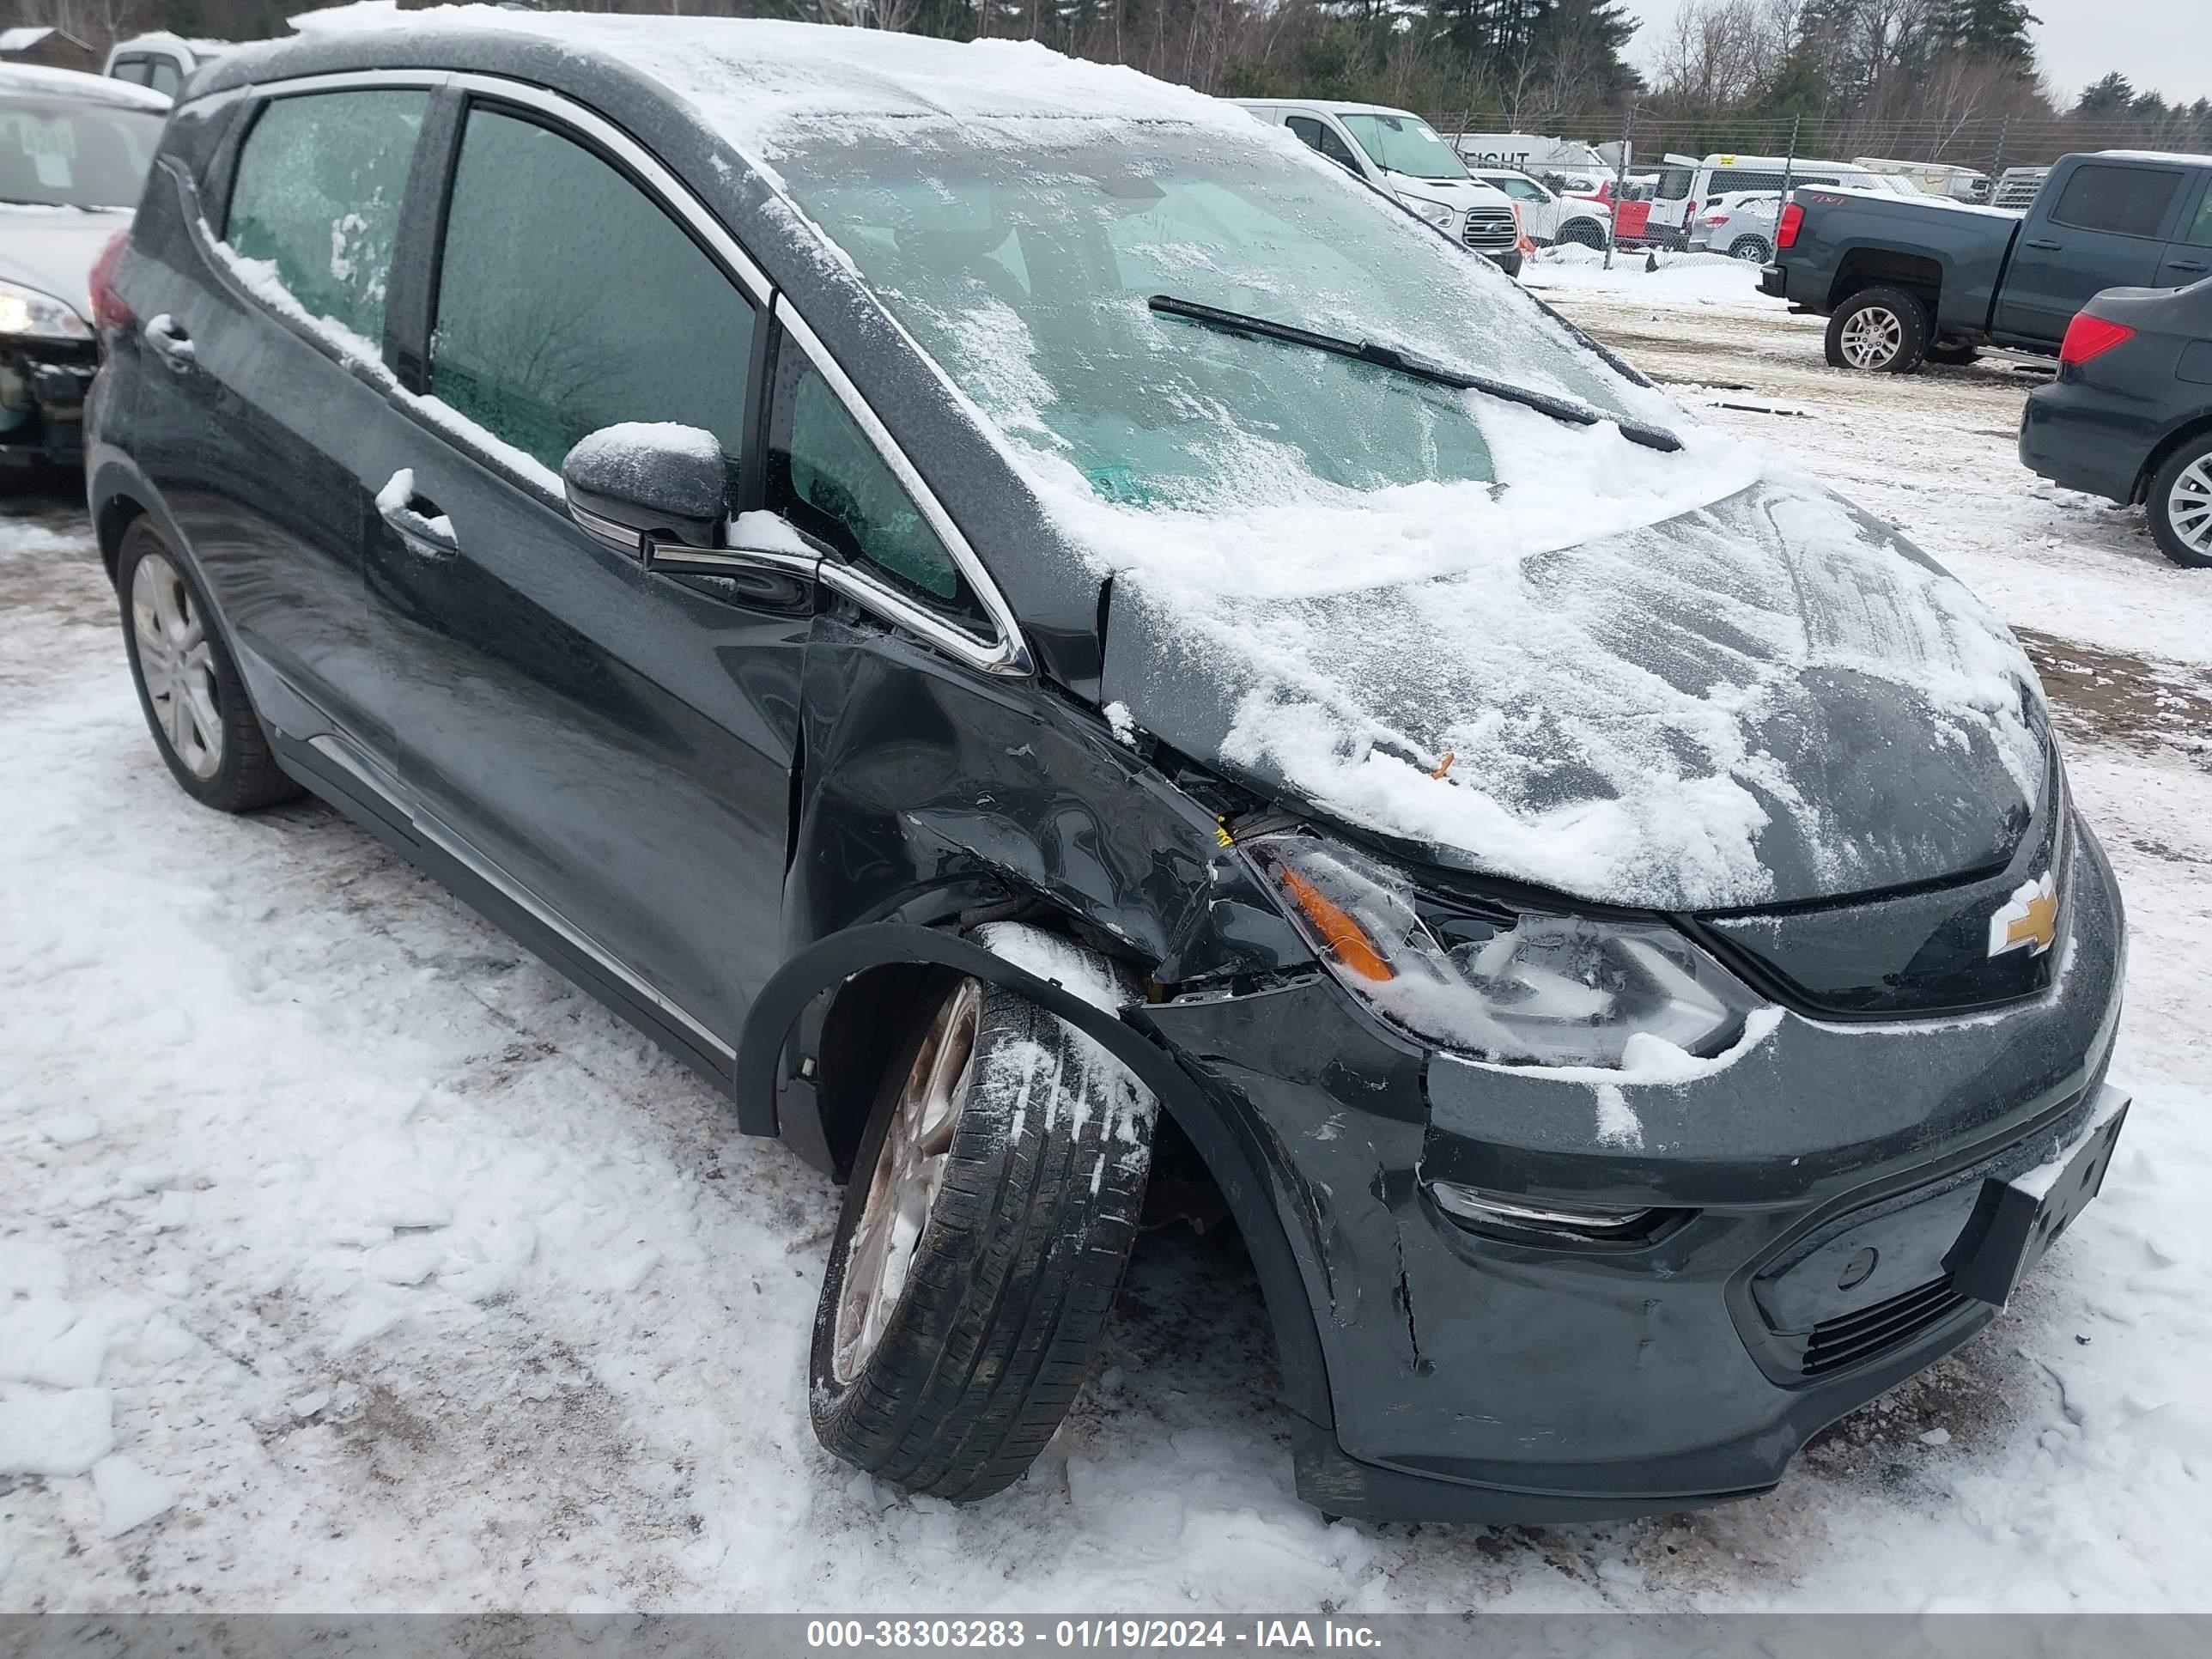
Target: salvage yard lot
point(415, 1280)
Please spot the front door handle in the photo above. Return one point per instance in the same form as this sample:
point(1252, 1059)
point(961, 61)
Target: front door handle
point(2047, 244)
point(2185, 265)
point(423, 529)
point(169, 342)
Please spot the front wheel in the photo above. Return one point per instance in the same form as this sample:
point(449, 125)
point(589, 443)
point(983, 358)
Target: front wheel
point(1881, 331)
point(993, 1206)
point(2180, 504)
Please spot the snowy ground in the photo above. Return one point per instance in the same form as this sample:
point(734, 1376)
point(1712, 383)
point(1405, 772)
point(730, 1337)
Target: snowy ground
point(388, 1272)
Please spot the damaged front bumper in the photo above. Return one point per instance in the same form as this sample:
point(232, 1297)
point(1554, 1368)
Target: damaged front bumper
point(43, 387)
point(1842, 1206)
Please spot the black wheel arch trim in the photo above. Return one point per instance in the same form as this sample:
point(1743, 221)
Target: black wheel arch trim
point(761, 1077)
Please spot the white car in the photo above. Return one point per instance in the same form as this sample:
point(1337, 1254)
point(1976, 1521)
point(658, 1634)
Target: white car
point(1740, 225)
point(1546, 216)
point(1399, 154)
point(160, 60)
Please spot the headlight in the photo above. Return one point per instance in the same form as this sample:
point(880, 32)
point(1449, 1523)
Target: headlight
point(25, 313)
point(1521, 987)
point(1435, 212)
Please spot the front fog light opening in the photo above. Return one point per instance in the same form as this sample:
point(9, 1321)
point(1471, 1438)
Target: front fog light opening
point(1519, 1215)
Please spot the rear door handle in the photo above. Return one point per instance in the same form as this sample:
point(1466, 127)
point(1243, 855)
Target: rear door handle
point(170, 344)
point(423, 529)
point(2185, 265)
point(2046, 245)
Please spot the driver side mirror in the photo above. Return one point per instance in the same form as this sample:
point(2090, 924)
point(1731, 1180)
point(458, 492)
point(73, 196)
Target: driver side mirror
point(641, 483)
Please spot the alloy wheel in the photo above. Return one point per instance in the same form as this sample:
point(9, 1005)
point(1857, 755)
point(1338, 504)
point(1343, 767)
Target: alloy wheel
point(904, 1184)
point(1873, 337)
point(176, 664)
point(2188, 506)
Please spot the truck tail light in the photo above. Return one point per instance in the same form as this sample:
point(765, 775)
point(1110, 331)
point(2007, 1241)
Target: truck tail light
point(108, 310)
point(2088, 337)
point(1785, 232)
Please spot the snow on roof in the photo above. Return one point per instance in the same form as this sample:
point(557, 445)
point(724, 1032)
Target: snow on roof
point(38, 79)
point(756, 83)
point(2155, 156)
point(22, 40)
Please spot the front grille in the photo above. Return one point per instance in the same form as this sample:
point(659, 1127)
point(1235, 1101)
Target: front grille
point(1853, 1339)
point(1491, 228)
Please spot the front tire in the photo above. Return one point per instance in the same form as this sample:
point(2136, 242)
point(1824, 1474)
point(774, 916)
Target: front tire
point(2179, 504)
point(1878, 331)
point(992, 1208)
point(194, 701)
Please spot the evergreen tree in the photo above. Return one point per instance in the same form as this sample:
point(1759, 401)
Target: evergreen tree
point(2113, 95)
point(1989, 29)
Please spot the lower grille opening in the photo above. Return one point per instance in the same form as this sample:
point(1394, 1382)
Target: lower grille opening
point(1853, 1339)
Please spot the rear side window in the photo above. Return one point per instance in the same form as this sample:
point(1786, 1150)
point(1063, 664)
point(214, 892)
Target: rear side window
point(827, 478)
point(320, 185)
point(2126, 201)
point(2200, 233)
point(568, 301)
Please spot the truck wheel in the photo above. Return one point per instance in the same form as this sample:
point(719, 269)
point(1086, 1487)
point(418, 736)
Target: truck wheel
point(992, 1204)
point(1953, 356)
point(2180, 504)
point(1882, 331)
point(1754, 248)
point(203, 721)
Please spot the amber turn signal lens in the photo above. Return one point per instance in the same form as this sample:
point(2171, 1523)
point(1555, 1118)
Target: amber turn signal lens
point(1345, 937)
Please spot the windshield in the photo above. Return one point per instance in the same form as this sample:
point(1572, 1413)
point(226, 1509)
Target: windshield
point(1026, 270)
point(57, 152)
point(1404, 143)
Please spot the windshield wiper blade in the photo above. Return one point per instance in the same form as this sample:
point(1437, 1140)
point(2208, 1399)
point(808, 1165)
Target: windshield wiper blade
point(1383, 356)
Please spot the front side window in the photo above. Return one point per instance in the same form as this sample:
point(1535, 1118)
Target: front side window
point(2125, 201)
point(165, 77)
point(65, 152)
point(319, 186)
point(1523, 189)
point(826, 477)
point(133, 69)
point(1405, 144)
point(1317, 135)
point(2200, 233)
point(569, 299)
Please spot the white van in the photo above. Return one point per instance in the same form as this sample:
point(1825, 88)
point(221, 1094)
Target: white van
point(1396, 151)
point(1688, 183)
point(160, 60)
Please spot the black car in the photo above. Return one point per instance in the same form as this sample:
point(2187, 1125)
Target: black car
point(1024, 624)
point(74, 151)
point(2130, 416)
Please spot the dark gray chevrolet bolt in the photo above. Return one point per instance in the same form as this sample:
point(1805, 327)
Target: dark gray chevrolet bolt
point(1029, 628)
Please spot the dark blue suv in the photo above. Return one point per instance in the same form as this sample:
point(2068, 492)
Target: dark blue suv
point(1027, 627)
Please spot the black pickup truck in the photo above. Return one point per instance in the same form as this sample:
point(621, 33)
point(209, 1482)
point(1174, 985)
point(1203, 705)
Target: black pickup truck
point(1903, 282)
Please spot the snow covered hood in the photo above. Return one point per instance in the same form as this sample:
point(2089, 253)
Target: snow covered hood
point(1767, 699)
point(51, 249)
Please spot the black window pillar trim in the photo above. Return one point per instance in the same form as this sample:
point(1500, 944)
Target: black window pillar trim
point(411, 286)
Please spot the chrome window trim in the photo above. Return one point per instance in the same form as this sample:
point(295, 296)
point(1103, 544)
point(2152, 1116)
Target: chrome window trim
point(1009, 653)
point(341, 755)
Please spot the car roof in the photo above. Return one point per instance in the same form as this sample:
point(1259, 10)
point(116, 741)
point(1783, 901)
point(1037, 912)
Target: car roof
point(37, 80)
point(755, 82)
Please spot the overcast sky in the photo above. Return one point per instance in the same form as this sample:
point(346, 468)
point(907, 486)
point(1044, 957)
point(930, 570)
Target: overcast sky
point(2161, 45)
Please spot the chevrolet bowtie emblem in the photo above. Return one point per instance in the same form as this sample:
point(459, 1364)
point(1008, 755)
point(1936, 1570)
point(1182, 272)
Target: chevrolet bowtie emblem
point(2028, 920)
